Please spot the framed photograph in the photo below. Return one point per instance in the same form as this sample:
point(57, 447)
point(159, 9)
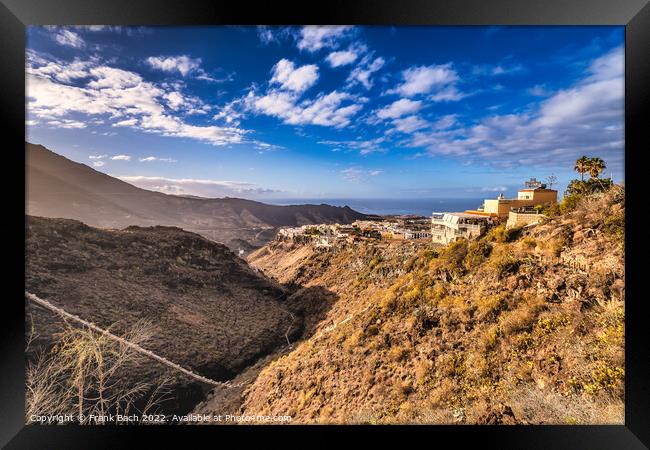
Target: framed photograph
point(368, 216)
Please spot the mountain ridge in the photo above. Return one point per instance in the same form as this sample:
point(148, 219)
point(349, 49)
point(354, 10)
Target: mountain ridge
point(57, 187)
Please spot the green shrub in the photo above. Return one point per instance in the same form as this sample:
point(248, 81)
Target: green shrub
point(615, 225)
point(502, 262)
point(502, 234)
point(489, 306)
point(529, 242)
point(312, 231)
point(551, 210)
point(429, 254)
point(454, 254)
point(476, 253)
point(570, 202)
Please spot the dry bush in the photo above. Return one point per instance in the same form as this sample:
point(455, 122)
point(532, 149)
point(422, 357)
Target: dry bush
point(88, 373)
point(489, 306)
point(535, 406)
point(523, 317)
point(477, 252)
point(502, 261)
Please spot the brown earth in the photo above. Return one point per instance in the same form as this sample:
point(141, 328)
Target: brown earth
point(208, 309)
point(522, 326)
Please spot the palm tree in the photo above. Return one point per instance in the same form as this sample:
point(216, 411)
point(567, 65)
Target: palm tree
point(582, 166)
point(595, 167)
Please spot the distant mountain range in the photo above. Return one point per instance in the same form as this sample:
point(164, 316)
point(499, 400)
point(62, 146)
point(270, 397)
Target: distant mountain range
point(59, 188)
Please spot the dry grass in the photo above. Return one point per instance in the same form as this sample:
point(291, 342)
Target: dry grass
point(496, 333)
point(533, 405)
point(83, 374)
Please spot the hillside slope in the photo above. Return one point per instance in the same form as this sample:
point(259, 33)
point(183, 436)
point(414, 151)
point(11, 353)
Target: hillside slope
point(59, 188)
point(523, 326)
point(207, 309)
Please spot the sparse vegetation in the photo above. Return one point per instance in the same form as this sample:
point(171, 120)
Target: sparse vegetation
point(83, 374)
point(503, 329)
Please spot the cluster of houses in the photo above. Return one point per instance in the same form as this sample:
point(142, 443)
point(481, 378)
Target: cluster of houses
point(441, 228)
point(520, 211)
point(390, 228)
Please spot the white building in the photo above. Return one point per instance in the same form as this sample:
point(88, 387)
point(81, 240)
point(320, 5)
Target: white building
point(448, 227)
point(417, 234)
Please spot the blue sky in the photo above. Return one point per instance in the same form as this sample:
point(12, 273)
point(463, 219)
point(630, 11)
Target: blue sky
point(328, 112)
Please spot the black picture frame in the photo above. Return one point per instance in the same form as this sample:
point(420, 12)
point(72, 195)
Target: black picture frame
point(15, 15)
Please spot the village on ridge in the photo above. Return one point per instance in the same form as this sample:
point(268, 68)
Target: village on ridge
point(441, 228)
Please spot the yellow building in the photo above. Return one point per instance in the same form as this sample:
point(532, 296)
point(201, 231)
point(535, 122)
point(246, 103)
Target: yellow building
point(535, 194)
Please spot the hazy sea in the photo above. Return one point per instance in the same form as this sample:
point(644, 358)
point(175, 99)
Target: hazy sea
point(419, 206)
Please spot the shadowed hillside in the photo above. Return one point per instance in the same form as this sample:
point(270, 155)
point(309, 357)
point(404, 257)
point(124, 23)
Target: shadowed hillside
point(208, 310)
point(60, 188)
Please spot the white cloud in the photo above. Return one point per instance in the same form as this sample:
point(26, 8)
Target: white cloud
point(182, 64)
point(272, 34)
point(423, 79)
point(498, 69)
point(538, 91)
point(69, 38)
point(295, 79)
point(155, 158)
point(60, 72)
point(121, 158)
point(399, 108)
point(265, 34)
point(66, 123)
point(445, 122)
point(352, 174)
point(112, 78)
point(494, 189)
point(448, 94)
point(333, 109)
point(362, 73)
point(586, 118)
point(410, 124)
point(98, 163)
point(344, 57)
point(358, 175)
point(364, 147)
point(97, 156)
point(126, 123)
point(199, 187)
point(312, 38)
point(122, 96)
point(98, 28)
point(174, 100)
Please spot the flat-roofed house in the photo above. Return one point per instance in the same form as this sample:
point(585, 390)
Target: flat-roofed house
point(448, 227)
point(417, 234)
point(534, 194)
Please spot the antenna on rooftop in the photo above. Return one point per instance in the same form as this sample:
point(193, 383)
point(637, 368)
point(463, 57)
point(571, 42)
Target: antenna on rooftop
point(551, 180)
point(533, 183)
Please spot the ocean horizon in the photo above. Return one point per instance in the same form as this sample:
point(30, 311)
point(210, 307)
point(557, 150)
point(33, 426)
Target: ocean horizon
point(391, 206)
